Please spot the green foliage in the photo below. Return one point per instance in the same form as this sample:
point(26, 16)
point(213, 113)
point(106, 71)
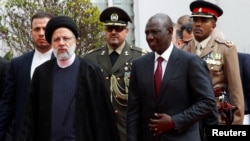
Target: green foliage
point(15, 22)
point(8, 56)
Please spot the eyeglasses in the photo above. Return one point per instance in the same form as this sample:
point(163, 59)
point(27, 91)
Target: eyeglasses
point(116, 28)
point(64, 38)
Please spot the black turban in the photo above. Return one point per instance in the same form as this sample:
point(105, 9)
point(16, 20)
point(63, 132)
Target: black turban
point(60, 21)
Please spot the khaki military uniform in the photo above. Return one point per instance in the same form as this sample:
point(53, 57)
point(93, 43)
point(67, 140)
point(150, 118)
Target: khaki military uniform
point(117, 78)
point(221, 57)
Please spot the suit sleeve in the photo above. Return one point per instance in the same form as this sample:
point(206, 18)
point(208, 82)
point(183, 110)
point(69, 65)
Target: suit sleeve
point(7, 101)
point(201, 92)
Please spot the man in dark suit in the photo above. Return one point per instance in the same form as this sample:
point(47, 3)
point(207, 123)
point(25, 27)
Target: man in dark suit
point(244, 63)
point(185, 95)
point(13, 101)
point(115, 60)
point(3, 72)
point(69, 99)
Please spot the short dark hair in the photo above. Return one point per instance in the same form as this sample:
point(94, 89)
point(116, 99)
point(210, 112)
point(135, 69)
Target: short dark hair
point(41, 14)
point(184, 19)
point(186, 27)
point(178, 34)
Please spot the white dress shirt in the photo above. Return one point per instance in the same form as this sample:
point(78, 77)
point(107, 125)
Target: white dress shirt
point(38, 59)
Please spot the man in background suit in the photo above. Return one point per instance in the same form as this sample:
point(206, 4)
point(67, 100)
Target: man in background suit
point(244, 63)
point(3, 72)
point(13, 101)
point(115, 60)
point(185, 95)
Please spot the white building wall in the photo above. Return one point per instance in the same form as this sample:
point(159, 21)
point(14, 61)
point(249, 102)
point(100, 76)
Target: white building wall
point(234, 22)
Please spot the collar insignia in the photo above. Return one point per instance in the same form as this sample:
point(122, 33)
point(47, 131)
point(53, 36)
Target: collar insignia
point(103, 52)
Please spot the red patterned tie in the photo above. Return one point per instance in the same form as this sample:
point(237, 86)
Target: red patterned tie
point(158, 75)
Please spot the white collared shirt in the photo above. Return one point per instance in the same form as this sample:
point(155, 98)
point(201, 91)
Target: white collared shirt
point(165, 55)
point(202, 43)
point(38, 59)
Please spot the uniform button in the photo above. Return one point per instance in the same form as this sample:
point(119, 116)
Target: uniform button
point(116, 111)
point(118, 78)
point(107, 78)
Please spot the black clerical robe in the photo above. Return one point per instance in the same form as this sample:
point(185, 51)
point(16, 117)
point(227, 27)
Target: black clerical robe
point(94, 116)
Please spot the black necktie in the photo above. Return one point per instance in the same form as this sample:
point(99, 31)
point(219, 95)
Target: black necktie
point(113, 57)
point(158, 76)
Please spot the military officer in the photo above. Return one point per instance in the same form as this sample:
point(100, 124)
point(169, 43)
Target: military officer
point(222, 60)
point(115, 60)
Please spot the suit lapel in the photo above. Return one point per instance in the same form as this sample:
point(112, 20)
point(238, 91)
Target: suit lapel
point(193, 47)
point(150, 70)
point(125, 55)
point(27, 65)
point(172, 66)
point(104, 60)
point(207, 49)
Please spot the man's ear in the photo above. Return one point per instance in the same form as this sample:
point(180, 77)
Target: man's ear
point(214, 23)
point(179, 42)
point(170, 30)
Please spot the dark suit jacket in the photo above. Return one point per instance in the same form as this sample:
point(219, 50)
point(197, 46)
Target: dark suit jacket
point(244, 63)
point(94, 116)
point(13, 101)
point(186, 95)
point(3, 73)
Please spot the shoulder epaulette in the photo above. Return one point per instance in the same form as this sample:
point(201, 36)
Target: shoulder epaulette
point(229, 43)
point(139, 49)
point(226, 42)
point(94, 50)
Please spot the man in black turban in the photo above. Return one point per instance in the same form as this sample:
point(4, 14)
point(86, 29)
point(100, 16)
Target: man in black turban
point(69, 98)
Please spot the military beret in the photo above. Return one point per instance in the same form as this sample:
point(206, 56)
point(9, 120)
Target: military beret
point(115, 16)
point(60, 21)
point(201, 8)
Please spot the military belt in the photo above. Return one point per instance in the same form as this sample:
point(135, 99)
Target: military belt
point(219, 91)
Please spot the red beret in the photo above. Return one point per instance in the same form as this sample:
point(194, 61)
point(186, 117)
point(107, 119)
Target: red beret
point(201, 8)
